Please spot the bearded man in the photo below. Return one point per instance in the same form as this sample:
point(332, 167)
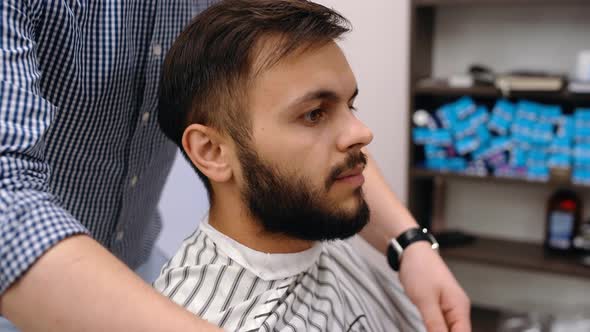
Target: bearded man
point(261, 100)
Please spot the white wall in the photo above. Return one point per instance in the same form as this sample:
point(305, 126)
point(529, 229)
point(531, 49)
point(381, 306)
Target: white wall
point(183, 204)
point(377, 51)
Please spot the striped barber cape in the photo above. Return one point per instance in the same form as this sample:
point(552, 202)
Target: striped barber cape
point(328, 287)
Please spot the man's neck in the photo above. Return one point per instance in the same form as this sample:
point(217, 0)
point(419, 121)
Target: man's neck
point(232, 218)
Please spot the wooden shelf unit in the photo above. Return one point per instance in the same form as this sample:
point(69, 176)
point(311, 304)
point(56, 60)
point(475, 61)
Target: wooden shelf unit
point(423, 184)
point(519, 255)
point(438, 88)
point(421, 173)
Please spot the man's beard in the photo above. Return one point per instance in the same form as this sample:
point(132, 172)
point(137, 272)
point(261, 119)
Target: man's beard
point(289, 205)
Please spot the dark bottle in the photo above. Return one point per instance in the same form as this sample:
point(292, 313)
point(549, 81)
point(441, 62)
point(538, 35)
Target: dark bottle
point(563, 220)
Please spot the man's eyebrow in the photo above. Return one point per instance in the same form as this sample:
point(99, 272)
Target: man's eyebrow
point(322, 94)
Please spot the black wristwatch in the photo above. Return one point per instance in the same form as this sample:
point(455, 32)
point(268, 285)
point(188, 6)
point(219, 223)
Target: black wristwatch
point(397, 245)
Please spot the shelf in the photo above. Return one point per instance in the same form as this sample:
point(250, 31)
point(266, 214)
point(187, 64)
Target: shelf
point(424, 173)
point(485, 319)
point(439, 88)
point(497, 2)
point(515, 254)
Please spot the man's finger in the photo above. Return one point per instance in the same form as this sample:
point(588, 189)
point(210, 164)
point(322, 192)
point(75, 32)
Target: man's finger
point(458, 321)
point(433, 317)
point(458, 316)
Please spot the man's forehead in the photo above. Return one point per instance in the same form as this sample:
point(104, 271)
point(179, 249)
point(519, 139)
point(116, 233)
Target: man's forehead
point(274, 49)
point(318, 68)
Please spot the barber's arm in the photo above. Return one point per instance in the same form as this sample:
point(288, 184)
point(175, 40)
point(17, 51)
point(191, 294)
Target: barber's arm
point(54, 277)
point(79, 286)
point(426, 278)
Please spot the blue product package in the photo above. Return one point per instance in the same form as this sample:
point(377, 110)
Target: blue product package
point(521, 141)
point(542, 133)
point(504, 109)
point(582, 117)
point(511, 172)
point(536, 157)
point(582, 135)
point(434, 151)
point(499, 125)
point(497, 160)
point(566, 127)
point(457, 164)
point(503, 172)
point(518, 157)
point(550, 114)
point(581, 156)
point(561, 144)
point(441, 137)
point(464, 107)
point(483, 133)
point(482, 153)
point(581, 150)
point(447, 116)
point(582, 162)
point(480, 116)
point(559, 160)
point(464, 128)
point(523, 126)
point(528, 110)
point(538, 173)
point(476, 168)
point(467, 145)
point(581, 176)
point(439, 164)
point(420, 135)
point(522, 132)
point(501, 144)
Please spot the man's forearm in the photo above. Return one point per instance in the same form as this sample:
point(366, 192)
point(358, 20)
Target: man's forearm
point(389, 217)
point(79, 286)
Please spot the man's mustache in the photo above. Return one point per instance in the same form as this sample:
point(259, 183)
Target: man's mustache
point(352, 161)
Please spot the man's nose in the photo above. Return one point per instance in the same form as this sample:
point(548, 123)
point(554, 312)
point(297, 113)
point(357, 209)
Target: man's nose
point(354, 135)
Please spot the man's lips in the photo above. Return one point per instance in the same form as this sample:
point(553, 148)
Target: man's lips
point(352, 172)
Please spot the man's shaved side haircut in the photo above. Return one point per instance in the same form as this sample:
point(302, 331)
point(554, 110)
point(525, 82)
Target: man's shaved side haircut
point(207, 72)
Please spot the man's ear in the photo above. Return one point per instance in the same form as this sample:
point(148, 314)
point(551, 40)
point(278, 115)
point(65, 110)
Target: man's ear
point(208, 151)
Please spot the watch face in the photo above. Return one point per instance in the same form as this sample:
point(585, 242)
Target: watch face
point(396, 247)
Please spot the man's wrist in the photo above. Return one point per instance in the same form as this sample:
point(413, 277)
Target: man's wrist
point(408, 239)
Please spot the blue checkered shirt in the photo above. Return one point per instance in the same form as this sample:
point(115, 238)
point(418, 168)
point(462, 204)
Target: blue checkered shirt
point(80, 147)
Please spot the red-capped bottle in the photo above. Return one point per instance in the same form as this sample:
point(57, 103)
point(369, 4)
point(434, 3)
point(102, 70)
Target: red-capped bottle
point(564, 211)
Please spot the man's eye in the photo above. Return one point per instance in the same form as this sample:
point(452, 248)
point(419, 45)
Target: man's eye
point(314, 116)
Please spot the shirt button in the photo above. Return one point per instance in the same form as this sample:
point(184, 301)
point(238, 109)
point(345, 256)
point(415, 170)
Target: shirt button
point(119, 236)
point(134, 180)
point(145, 117)
point(157, 49)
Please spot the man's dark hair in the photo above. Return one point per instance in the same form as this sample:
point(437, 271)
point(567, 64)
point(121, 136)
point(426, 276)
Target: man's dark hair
point(208, 69)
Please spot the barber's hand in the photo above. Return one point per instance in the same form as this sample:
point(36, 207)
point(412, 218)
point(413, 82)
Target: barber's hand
point(432, 288)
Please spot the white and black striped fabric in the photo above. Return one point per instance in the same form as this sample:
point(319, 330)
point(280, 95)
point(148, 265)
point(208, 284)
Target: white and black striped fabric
point(80, 147)
point(326, 288)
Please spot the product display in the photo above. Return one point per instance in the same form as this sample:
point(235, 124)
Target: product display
point(522, 139)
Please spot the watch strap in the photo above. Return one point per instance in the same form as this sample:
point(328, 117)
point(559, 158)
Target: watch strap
point(397, 245)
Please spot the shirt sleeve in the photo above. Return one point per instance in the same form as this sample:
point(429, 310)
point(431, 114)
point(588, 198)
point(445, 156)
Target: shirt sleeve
point(31, 219)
